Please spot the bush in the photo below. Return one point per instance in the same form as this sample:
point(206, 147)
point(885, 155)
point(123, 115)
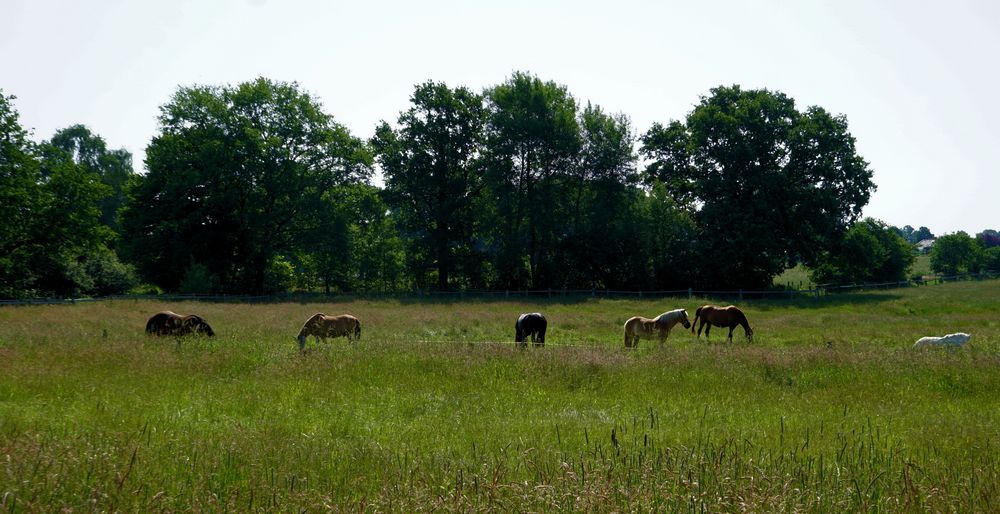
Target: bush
point(109, 275)
point(198, 280)
point(870, 251)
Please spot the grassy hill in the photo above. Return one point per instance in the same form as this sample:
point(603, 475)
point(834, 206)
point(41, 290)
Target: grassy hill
point(828, 409)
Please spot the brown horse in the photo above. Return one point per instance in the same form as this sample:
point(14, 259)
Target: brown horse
point(726, 317)
point(638, 327)
point(169, 323)
point(322, 326)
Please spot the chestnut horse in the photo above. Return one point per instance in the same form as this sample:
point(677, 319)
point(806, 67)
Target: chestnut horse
point(638, 327)
point(533, 325)
point(322, 326)
point(169, 323)
point(726, 317)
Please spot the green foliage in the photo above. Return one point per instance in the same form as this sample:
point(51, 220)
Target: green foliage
point(52, 239)
point(433, 180)
point(533, 142)
point(110, 276)
point(237, 176)
point(956, 253)
point(114, 168)
point(991, 259)
point(774, 185)
point(870, 252)
point(19, 199)
point(198, 279)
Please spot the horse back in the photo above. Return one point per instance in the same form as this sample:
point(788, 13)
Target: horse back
point(531, 322)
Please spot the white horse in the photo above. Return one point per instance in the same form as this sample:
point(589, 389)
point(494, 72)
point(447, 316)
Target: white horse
point(954, 340)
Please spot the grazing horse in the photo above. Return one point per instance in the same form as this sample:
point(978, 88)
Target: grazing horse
point(169, 323)
point(639, 327)
point(532, 324)
point(322, 326)
point(955, 340)
point(726, 317)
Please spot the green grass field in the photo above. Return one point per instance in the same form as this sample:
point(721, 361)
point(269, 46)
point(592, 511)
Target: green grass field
point(827, 410)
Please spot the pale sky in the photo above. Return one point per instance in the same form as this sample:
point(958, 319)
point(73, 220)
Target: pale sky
point(917, 81)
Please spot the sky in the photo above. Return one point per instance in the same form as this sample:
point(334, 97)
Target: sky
point(916, 80)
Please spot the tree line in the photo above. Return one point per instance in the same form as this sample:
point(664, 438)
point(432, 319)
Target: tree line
point(253, 188)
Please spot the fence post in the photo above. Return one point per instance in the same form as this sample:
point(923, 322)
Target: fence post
point(593, 292)
point(741, 295)
point(689, 293)
point(550, 292)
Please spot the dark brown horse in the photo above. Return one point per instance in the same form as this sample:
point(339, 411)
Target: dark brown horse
point(169, 323)
point(726, 317)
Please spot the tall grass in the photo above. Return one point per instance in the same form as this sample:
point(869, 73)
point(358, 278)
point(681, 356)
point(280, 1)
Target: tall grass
point(828, 409)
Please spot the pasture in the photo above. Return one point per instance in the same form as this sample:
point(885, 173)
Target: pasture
point(828, 409)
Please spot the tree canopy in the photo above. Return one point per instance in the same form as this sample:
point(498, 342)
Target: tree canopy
point(239, 177)
point(770, 185)
point(53, 237)
point(253, 188)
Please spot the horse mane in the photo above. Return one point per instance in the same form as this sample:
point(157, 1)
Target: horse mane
point(312, 319)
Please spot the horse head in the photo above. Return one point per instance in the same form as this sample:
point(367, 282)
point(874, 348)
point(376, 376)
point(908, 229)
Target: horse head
point(199, 325)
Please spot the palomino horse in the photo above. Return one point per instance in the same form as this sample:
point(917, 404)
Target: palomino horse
point(639, 327)
point(169, 323)
point(533, 325)
point(322, 326)
point(726, 317)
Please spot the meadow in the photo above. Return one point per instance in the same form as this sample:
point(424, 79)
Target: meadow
point(434, 409)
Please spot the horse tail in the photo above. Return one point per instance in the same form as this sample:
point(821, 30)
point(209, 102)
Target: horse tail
point(697, 312)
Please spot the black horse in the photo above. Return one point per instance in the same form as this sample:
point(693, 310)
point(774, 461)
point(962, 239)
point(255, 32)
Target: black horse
point(531, 324)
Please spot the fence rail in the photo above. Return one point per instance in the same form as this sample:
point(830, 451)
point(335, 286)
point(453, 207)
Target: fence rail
point(741, 294)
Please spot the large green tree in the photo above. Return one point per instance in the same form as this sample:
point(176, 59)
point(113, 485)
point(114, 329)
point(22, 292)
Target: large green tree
point(771, 185)
point(432, 177)
point(598, 236)
point(19, 199)
point(237, 175)
point(956, 253)
point(51, 238)
point(533, 144)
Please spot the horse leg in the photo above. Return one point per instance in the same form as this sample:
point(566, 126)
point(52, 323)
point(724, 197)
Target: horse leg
point(708, 328)
point(731, 334)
